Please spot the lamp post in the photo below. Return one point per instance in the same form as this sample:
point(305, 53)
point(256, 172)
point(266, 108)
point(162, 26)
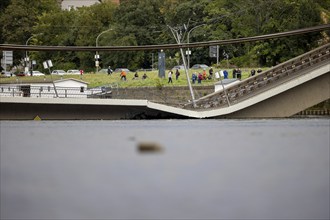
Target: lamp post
point(97, 56)
point(177, 37)
point(188, 55)
point(47, 65)
point(26, 59)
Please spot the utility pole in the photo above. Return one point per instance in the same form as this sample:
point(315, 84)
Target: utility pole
point(26, 58)
point(97, 56)
point(177, 37)
point(217, 55)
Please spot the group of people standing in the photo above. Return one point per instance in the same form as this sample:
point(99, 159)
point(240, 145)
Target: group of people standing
point(203, 76)
point(199, 77)
point(136, 76)
point(123, 74)
point(170, 73)
point(237, 73)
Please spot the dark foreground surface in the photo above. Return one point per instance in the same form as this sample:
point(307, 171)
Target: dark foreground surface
point(220, 169)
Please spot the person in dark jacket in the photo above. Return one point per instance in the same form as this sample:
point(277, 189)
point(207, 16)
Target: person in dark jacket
point(193, 78)
point(253, 72)
point(234, 73)
point(200, 78)
point(109, 70)
point(239, 73)
point(211, 73)
point(177, 74)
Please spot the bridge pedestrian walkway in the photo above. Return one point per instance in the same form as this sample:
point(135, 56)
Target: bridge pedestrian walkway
point(268, 84)
point(264, 81)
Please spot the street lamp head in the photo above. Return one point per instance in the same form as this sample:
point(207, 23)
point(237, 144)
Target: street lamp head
point(97, 38)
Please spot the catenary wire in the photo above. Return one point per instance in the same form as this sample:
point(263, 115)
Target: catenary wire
point(165, 46)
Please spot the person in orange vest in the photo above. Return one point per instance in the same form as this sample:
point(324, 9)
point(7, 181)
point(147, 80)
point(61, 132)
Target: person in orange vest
point(123, 75)
point(204, 74)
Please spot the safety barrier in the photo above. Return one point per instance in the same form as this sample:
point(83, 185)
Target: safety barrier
point(44, 91)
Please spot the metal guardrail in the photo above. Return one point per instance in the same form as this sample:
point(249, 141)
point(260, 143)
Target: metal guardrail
point(48, 91)
point(271, 78)
point(104, 92)
point(44, 91)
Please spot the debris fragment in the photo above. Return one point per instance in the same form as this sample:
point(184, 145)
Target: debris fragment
point(149, 147)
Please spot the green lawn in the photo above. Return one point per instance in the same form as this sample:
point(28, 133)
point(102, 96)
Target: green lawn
point(100, 79)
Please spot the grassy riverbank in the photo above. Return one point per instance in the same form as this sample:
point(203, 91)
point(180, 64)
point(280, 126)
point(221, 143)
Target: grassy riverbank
point(100, 79)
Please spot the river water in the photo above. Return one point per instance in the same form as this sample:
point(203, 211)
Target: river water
point(220, 169)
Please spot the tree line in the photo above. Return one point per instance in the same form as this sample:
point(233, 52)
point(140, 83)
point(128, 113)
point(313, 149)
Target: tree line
point(147, 22)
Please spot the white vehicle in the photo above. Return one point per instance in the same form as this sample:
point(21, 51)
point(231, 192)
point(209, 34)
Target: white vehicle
point(103, 71)
point(7, 74)
point(73, 72)
point(199, 66)
point(58, 72)
point(35, 73)
point(180, 67)
point(122, 69)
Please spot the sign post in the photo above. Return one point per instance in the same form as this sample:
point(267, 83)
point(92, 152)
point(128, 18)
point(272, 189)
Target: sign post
point(47, 65)
point(7, 58)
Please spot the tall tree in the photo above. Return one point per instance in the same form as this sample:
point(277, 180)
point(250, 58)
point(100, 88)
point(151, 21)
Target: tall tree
point(3, 6)
point(137, 22)
point(144, 22)
point(78, 27)
point(19, 18)
point(244, 18)
point(21, 15)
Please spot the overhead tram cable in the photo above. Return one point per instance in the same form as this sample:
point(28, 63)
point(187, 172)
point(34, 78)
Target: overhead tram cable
point(166, 46)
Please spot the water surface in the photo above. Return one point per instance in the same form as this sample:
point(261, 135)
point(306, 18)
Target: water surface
point(220, 169)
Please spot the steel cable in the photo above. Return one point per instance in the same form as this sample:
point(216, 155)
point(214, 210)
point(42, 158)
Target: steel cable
point(165, 46)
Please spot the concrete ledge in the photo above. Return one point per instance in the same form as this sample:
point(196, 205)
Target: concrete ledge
point(74, 101)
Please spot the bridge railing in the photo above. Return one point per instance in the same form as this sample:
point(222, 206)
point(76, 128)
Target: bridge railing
point(44, 91)
point(265, 80)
